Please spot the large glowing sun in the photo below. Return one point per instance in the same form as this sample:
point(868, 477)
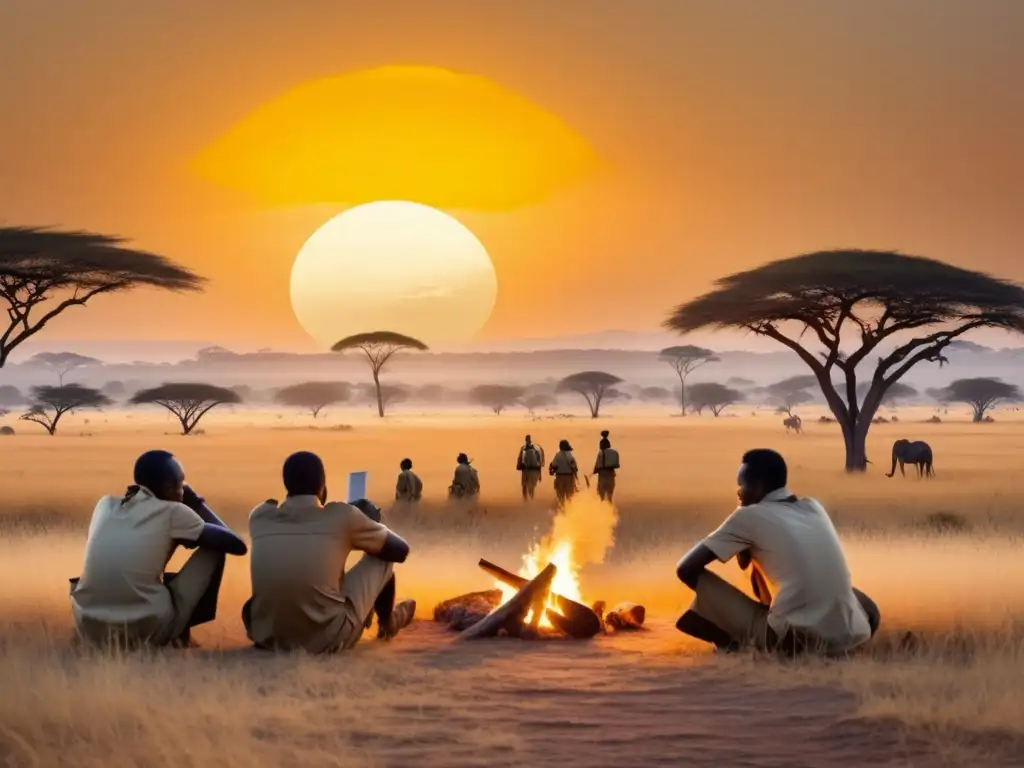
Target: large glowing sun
point(393, 266)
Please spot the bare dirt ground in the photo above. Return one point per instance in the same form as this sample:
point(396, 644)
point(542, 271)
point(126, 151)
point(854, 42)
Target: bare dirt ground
point(645, 698)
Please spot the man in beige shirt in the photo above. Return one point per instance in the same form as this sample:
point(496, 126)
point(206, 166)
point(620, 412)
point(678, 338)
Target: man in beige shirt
point(806, 600)
point(466, 480)
point(530, 463)
point(605, 466)
point(565, 471)
point(123, 595)
point(408, 487)
point(302, 597)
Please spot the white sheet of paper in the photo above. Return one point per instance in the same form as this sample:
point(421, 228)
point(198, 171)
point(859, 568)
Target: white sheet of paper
point(356, 486)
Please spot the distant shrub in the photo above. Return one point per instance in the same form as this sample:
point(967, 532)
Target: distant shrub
point(933, 420)
point(879, 420)
point(946, 522)
point(6, 430)
point(826, 420)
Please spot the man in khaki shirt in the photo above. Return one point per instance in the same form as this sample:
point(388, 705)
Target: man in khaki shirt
point(302, 597)
point(605, 466)
point(123, 595)
point(565, 471)
point(530, 463)
point(806, 600)
point(408, 487)
point(466, 480)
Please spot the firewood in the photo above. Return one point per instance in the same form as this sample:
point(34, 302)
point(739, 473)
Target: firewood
point(572, 618)
point(626, 616)
point(510, 615)
point(465, 610)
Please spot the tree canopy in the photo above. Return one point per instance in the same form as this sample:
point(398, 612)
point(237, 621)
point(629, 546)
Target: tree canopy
point(789, 393)
point(188, 401)
point(49, 404)
point(314, 396)
point(62, 362)
point(379, 347)
point(982, 394)
point(594, 386)
point(45, 271)
point(10, 395)
point(896, 392)
point(853, 304)
point(715, 397)
point(538, 400)
point(685, 360)
point(497, 397)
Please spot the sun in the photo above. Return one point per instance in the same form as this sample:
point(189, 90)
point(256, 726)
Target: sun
point(393, 266)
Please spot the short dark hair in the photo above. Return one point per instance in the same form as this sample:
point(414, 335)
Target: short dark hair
point(767, 467)
point(154, 470)
point(406, 464)
point(563, 445)
point(304, 474)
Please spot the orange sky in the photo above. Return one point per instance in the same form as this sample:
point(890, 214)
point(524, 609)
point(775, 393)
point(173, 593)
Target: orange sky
point(734, 133)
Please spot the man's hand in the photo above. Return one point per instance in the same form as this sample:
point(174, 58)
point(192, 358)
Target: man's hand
point(743, 559)
point(190, 498)
point(369, 509)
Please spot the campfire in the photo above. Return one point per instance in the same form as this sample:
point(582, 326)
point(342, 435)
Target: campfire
point(544, 599)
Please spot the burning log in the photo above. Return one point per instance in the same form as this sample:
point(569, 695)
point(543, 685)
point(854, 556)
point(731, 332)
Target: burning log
point(623, 616)
point(466, 610)
point(532, 595)
point(570, 617)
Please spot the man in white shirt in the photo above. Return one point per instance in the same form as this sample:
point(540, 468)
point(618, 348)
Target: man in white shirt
point(123, 594)
point(806, 601)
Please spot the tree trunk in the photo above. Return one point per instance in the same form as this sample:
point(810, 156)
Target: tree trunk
point(186, 428)
point(380, 400)
point(979, 414)
point(682, 395)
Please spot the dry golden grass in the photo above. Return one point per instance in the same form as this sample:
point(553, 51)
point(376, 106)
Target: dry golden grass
point(418, 699)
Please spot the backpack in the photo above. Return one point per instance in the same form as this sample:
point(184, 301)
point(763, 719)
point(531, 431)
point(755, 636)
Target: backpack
point(531, 458)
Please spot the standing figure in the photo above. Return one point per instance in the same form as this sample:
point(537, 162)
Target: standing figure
point(604, 467)
point(409, 487)
point(563, 468)
point(529, 464)
point(466, 482)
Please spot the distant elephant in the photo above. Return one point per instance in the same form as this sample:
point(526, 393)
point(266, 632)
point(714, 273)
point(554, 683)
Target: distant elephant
point(793, 422)
point(917, 453)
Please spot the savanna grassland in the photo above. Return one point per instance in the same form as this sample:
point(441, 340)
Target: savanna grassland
point(941, 557)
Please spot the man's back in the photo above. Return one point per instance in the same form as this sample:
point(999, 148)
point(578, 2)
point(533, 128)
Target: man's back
point(128, 547)
point(297, 566)
point(795, 545)
point(409, 485)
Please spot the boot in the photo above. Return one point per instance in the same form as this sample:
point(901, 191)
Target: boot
point(400, 618)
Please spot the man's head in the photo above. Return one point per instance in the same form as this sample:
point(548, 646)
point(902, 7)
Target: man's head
point(406, 465)
point(563, 445)
point(763, 471)
point(162, 474)
point(304, 475)
point(462, 459)
point(529, 440)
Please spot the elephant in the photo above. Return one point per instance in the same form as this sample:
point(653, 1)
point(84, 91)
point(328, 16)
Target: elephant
point(917, 453)
point(793, 422)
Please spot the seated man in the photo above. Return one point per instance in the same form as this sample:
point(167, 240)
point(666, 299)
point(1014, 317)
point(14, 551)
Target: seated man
point(123, 594)
point(408, 487)
point(466, 480)
point(806, 601)
point(302, 596)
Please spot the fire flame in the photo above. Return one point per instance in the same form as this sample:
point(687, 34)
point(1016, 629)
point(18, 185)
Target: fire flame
point(581, 533)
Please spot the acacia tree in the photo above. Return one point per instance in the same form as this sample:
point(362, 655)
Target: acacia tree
point(787, 394)
point(188, 401)
point(62, 362)
point(715, 397)
point(45, 271)
point(49, 404)
point(379, 347)
point(881, 296)
point(655, 394)
point(685, 360)
point(538, 400)
point(982, 394)
point(314, 396)
point(10, 395)
point(391, 394)
point(898, 391)
point(595, 386)
point(497, 397)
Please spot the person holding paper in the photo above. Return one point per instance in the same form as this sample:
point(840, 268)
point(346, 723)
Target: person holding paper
point(302, 597)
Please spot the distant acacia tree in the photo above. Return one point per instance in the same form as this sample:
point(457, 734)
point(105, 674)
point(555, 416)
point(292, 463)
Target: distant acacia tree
point(113, 389)
point(45, 271)
point(391, 394)
point(882, 296)
point(787, 394)
point(684, 361)
point(379, 347)
point(10, 395)
point(244, 391)
point(49, 404)
point(898, 391)
point(982, 394)
point(539, 400)
point(188, 401)
point(714, 397)
point(314, 396)
point(656, 394)
point(497, 397)
point(63, 362)
point(595, 386)
point(431, 393)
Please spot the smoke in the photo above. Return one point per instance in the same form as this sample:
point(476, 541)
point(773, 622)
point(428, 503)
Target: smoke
point(589, 524)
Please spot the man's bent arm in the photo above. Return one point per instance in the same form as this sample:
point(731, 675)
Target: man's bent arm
point(395, 549)
point(693, 564)
point(219, 539)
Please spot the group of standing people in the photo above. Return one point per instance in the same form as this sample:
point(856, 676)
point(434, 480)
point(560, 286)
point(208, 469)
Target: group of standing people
point(530, 463)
